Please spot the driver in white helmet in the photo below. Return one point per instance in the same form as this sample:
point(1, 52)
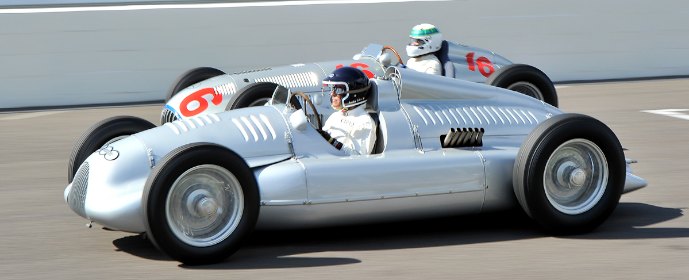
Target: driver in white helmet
point(350, 128)
point(425, 40)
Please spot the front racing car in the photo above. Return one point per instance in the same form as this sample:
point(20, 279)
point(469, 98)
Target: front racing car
point(196, 186)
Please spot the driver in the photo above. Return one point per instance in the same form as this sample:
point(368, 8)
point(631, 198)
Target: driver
point(350, 128)
point(425, 40)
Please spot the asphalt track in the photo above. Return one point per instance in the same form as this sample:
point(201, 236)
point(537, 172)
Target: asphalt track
point(647, 236)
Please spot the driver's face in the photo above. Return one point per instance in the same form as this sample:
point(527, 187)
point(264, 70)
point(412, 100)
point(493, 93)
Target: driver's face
point(335, 100)
point(417, 42)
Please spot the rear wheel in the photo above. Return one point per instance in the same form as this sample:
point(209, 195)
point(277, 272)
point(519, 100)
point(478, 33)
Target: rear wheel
point(200, 203)
point(527, 80)
point(101, 134)
point(569, 174)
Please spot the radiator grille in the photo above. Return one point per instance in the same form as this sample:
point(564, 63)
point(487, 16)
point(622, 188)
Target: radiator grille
point(167, 116)
point(77, 195)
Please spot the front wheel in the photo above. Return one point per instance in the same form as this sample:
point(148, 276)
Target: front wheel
point(191, 77)
point(569, 174)
point(200, 203)
point(99, 135)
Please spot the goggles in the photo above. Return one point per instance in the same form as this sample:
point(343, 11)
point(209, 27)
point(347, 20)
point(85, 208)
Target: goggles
point(338, 88)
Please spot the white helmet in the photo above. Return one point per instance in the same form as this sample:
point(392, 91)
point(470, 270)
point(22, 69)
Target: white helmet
point(425, 38)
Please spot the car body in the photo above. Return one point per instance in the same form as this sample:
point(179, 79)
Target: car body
point(445, 147)
point(207, 90)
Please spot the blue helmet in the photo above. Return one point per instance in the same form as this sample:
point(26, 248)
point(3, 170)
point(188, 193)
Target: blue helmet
point(351, 83)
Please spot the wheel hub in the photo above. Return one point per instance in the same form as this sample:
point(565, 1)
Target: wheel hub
point(571, 176)
point(201, 204)
point(204, 205)
point(577, 178)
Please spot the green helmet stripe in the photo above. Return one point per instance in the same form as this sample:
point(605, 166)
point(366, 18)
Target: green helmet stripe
point(423, 32)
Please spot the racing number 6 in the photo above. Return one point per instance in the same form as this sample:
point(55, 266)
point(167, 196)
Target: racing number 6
point(361, 66)
point(484, 65)
point(198, 96)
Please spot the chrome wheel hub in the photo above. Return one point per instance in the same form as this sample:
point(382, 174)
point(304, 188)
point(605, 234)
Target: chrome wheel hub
point(200, 203)
point(576, 176)
point(204, 205)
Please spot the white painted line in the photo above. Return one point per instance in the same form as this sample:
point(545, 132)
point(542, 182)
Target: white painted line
point(135, 7)
point(22, 116)
point(675, 113)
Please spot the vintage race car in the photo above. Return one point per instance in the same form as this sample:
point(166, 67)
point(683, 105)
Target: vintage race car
point(193, 94)
point(198, 186)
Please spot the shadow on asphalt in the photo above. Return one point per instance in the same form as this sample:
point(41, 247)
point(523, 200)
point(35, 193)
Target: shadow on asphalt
point(278, 249)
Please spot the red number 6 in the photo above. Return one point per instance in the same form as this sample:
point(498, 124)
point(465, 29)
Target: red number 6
point(198, 96)
point(362, 66)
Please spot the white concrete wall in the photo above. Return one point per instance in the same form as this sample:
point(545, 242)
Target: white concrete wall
point(85, 57)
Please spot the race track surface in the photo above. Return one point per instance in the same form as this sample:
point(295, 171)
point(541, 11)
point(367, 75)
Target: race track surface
point(647, 236)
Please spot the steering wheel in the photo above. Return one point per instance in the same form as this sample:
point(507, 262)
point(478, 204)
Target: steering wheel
point(399, 58)
point(315, 111)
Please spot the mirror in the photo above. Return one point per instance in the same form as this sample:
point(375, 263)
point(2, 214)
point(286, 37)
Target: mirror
point(317, 98)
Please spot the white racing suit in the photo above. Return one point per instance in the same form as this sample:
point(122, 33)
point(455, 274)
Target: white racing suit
point(427, 63)
point(354, 128)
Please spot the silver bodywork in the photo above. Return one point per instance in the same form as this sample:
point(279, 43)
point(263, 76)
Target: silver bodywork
point(308, 77)
point(300, 176)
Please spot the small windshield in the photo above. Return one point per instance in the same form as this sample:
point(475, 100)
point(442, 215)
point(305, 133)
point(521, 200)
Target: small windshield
point(280, 96)
point(372, 50)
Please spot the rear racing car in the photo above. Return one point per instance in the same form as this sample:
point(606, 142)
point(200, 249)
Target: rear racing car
point(209, 90)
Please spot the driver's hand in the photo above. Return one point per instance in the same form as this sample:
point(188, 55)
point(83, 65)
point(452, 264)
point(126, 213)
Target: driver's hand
point(330, 139)
point(324, 134)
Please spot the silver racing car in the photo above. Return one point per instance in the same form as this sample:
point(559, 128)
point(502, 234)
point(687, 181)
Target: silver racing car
point(198, 186)
point(209, 90)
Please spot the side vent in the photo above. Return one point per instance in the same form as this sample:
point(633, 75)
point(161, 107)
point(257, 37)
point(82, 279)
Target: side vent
point(462, 137)
point(307, 79)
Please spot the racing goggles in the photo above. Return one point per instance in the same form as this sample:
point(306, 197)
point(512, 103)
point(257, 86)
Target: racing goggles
point(338, 88)
point(342, 88)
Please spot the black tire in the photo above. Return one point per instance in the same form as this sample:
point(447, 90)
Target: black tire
point(191, 77)
point(160, 187)
point(101, 133)
point(570, 199)
point(527, 80)
point(253, 95)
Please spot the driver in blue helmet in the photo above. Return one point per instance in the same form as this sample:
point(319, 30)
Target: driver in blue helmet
point(350, 128)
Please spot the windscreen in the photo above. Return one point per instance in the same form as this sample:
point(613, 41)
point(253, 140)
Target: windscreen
point(280, 95)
